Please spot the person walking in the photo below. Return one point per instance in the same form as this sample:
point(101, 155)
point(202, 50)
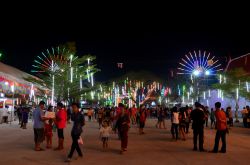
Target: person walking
point(248, 116)
point(198, 118)
point(182, 122)
point(221, 126)
point(38, 117)
point(206, 112)
point(19, 114)
point(123, 126)
point(229, 115)
point(100, 116)
point(175, 123)
point(143, 117)
point(60, 121)
point(187, 120)
point(69, 111)
point(244, 113)
point(90, 113)
point(212, 118)
point(159, 119)
point(133, 114)
point(79, 122)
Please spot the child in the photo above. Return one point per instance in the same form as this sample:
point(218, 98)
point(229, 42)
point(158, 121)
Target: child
point(105, 133)
point(48, 129)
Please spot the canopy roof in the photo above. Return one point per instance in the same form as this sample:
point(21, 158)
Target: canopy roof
point(16, 75)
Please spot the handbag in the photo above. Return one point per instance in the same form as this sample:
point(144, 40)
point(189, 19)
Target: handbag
point(80, 141)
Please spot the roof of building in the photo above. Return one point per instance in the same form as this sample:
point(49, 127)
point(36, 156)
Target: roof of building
point(240, 62)
point(14, 74)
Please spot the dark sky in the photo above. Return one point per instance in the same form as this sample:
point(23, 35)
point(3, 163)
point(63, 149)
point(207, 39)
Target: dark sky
point(157, 51)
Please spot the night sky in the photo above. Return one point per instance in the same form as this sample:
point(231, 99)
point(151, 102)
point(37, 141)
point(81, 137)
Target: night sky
point(156, 51)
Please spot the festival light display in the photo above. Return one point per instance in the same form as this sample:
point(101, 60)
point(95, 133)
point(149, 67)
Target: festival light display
point(58, 61)
point(199, 63)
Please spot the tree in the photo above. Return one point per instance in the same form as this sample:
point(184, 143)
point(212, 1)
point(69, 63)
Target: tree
point(65, 73)
point(234, 84)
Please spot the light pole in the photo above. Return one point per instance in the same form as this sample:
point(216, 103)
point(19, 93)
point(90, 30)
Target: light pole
point(13, 93)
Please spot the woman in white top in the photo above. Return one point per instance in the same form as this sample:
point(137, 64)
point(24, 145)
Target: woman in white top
point(175, 123)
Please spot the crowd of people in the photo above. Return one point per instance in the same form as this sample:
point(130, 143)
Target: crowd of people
point(118, 120)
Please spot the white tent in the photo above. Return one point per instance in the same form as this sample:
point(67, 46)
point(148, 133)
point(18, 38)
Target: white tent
point(14, 74)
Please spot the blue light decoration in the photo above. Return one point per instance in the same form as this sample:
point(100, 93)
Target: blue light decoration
point(179, 90)
point(199, 63)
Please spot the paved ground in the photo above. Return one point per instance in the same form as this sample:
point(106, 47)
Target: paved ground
point(155, 147)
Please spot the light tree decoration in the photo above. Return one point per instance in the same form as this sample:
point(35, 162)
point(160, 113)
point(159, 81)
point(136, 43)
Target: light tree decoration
point(199, 65)
point(64, 73)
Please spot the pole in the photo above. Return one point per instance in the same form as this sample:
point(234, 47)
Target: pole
point(13, 104)
point(13, 93)
point(53, 85)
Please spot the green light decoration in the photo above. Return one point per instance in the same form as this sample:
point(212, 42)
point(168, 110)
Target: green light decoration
point(183, 88)
point(1, 55)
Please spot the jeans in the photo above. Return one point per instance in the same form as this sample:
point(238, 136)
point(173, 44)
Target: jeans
point(174, 130)
point(222, 135)
point(75, 146)
point(198, 132)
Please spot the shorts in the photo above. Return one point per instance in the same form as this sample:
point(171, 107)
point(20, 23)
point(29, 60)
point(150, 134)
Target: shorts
point(142, 124)
point(105, 138)
point(38, 135)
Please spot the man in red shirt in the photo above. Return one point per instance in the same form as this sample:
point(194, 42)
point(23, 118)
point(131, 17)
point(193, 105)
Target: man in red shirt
point(221, 125)
point(61, 119)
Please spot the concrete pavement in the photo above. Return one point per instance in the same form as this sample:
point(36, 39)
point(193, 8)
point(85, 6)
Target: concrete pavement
point(155, 147)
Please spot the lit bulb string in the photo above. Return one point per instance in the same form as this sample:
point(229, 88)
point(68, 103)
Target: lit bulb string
point(190, 62)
